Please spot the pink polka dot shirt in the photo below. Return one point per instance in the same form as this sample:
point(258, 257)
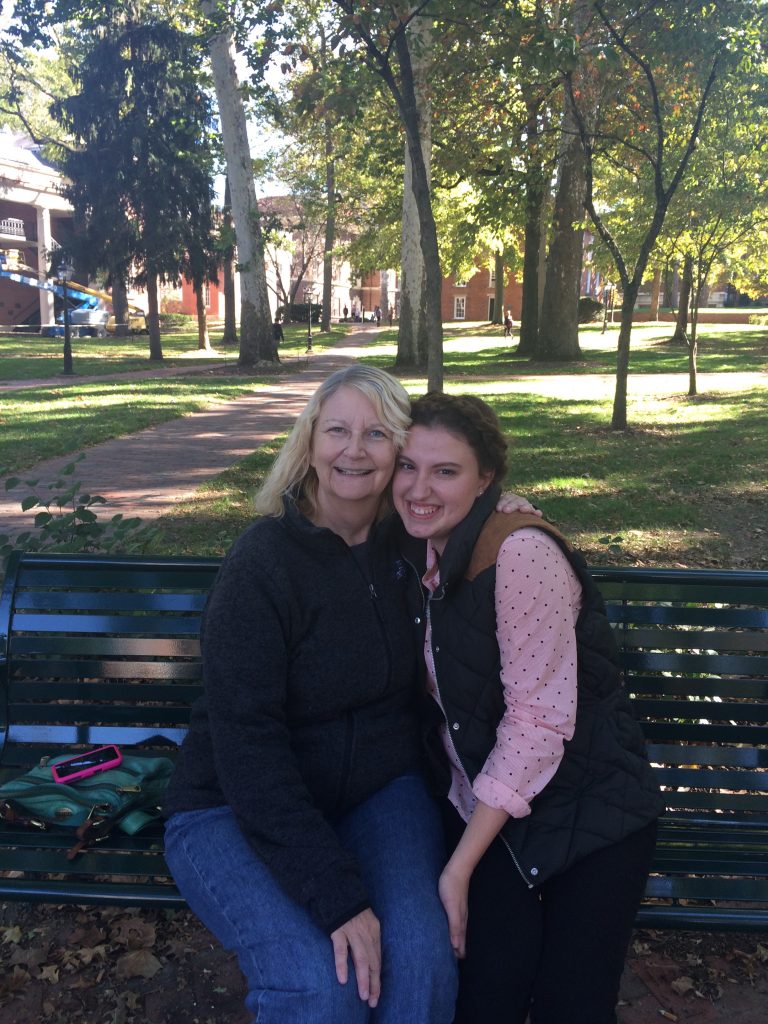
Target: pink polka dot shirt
point(538, 598)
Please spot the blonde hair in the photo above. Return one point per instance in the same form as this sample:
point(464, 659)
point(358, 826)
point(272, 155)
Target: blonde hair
point(291, 472)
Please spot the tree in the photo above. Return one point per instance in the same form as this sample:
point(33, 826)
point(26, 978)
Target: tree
point(389, 49)
point(641, 107)
point(722, 206)
point(320, 112)
point(255, 321)
point(140, 172)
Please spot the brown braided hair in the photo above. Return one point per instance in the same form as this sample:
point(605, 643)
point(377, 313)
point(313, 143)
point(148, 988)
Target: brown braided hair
point(470, 419)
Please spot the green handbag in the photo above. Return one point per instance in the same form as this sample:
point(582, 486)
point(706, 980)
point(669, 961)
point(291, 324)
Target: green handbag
point(127, 797)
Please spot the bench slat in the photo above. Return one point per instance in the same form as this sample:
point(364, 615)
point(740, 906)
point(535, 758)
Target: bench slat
point(114, 646)
point(99, 669)
point(45, 690)
point(93, 623)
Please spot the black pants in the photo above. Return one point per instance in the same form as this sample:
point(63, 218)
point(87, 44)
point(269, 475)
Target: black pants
point(555, 952)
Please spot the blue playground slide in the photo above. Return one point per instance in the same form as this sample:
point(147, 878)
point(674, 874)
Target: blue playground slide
point(79, 300)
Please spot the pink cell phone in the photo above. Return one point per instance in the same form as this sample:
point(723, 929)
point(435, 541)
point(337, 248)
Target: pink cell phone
point(86, 764)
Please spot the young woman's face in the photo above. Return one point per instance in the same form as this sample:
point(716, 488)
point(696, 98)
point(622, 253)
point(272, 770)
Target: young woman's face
point(352, 450)
point(437, 479)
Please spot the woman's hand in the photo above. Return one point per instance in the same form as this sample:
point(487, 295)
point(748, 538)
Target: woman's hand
point(453, 888)
point(360, 938)
point(511, 502)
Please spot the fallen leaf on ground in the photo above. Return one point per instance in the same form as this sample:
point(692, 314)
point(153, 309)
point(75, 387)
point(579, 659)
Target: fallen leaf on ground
point(140, 963)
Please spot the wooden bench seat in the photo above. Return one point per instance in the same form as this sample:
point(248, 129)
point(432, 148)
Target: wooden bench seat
point(104, 650)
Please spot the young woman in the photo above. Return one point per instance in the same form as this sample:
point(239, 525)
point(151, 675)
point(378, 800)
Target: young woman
point(551, 805)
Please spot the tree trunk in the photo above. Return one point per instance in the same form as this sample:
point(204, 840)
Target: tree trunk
point(498, 292)
point(559, 319)
point(529, 313)
point(655, 293)
point(384, 294)
point(421, 287)
point(686, 286)
point(619, 418)
point(330, 227)
point(228, 274)
point(559, 325)
point(255, 319)
point(412, 342)
point(120, 307)
point(153, 320)
point(693, 351)
point(203, 339)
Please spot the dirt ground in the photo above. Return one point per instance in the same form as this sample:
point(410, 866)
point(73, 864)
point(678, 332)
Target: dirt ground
point(72, 965)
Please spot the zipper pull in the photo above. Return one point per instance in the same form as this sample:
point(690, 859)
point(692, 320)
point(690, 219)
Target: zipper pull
point(372, 592)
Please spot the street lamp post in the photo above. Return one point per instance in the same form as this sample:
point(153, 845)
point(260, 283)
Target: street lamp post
point(64, 274)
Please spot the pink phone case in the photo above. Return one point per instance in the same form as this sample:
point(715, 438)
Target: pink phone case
point(60, 769)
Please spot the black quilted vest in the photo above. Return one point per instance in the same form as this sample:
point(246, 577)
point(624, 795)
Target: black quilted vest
point(604, 788)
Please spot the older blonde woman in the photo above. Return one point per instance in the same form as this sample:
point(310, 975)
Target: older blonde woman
point(300, 829)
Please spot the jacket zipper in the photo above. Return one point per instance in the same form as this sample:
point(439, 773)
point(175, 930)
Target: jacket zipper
point(349, 726)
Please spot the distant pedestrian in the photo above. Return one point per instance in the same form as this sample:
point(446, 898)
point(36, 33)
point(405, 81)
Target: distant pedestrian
point(277, 335)
point(377, 314)
point(390, 315)
point(508, 324)
point(345, 311)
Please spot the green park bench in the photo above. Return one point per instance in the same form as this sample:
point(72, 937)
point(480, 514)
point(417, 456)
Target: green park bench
point(97, 650)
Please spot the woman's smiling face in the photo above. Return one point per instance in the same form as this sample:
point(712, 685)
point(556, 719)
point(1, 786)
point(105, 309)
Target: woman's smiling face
point(352, 453)
point(437, 479)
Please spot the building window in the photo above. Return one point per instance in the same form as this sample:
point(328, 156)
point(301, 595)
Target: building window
point(206, 295)
point(492, 277)
point(459, 307)
point(461, 283)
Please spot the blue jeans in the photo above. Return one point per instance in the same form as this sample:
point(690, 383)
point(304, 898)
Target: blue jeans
point(287, 960)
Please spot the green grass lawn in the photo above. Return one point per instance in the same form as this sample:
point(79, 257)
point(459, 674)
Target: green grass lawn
point(482, 351)
point(26, 357)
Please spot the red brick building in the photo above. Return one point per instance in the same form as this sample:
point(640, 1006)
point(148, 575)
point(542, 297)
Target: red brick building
point(474, 298)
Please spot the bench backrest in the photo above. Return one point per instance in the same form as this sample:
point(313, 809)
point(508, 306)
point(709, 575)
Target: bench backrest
point(112, 642)
point(695, 650)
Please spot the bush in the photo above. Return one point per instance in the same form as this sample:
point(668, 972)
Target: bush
point(758, 319)
point(589, 309)
point(176, 321)
point(67, 520)
point(298, 312)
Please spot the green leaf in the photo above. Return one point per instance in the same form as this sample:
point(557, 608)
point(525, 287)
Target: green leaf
point(29, 502)
point(42, 518)
point(11, 482)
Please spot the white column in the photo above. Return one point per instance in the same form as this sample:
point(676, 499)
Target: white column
point(44, 248)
